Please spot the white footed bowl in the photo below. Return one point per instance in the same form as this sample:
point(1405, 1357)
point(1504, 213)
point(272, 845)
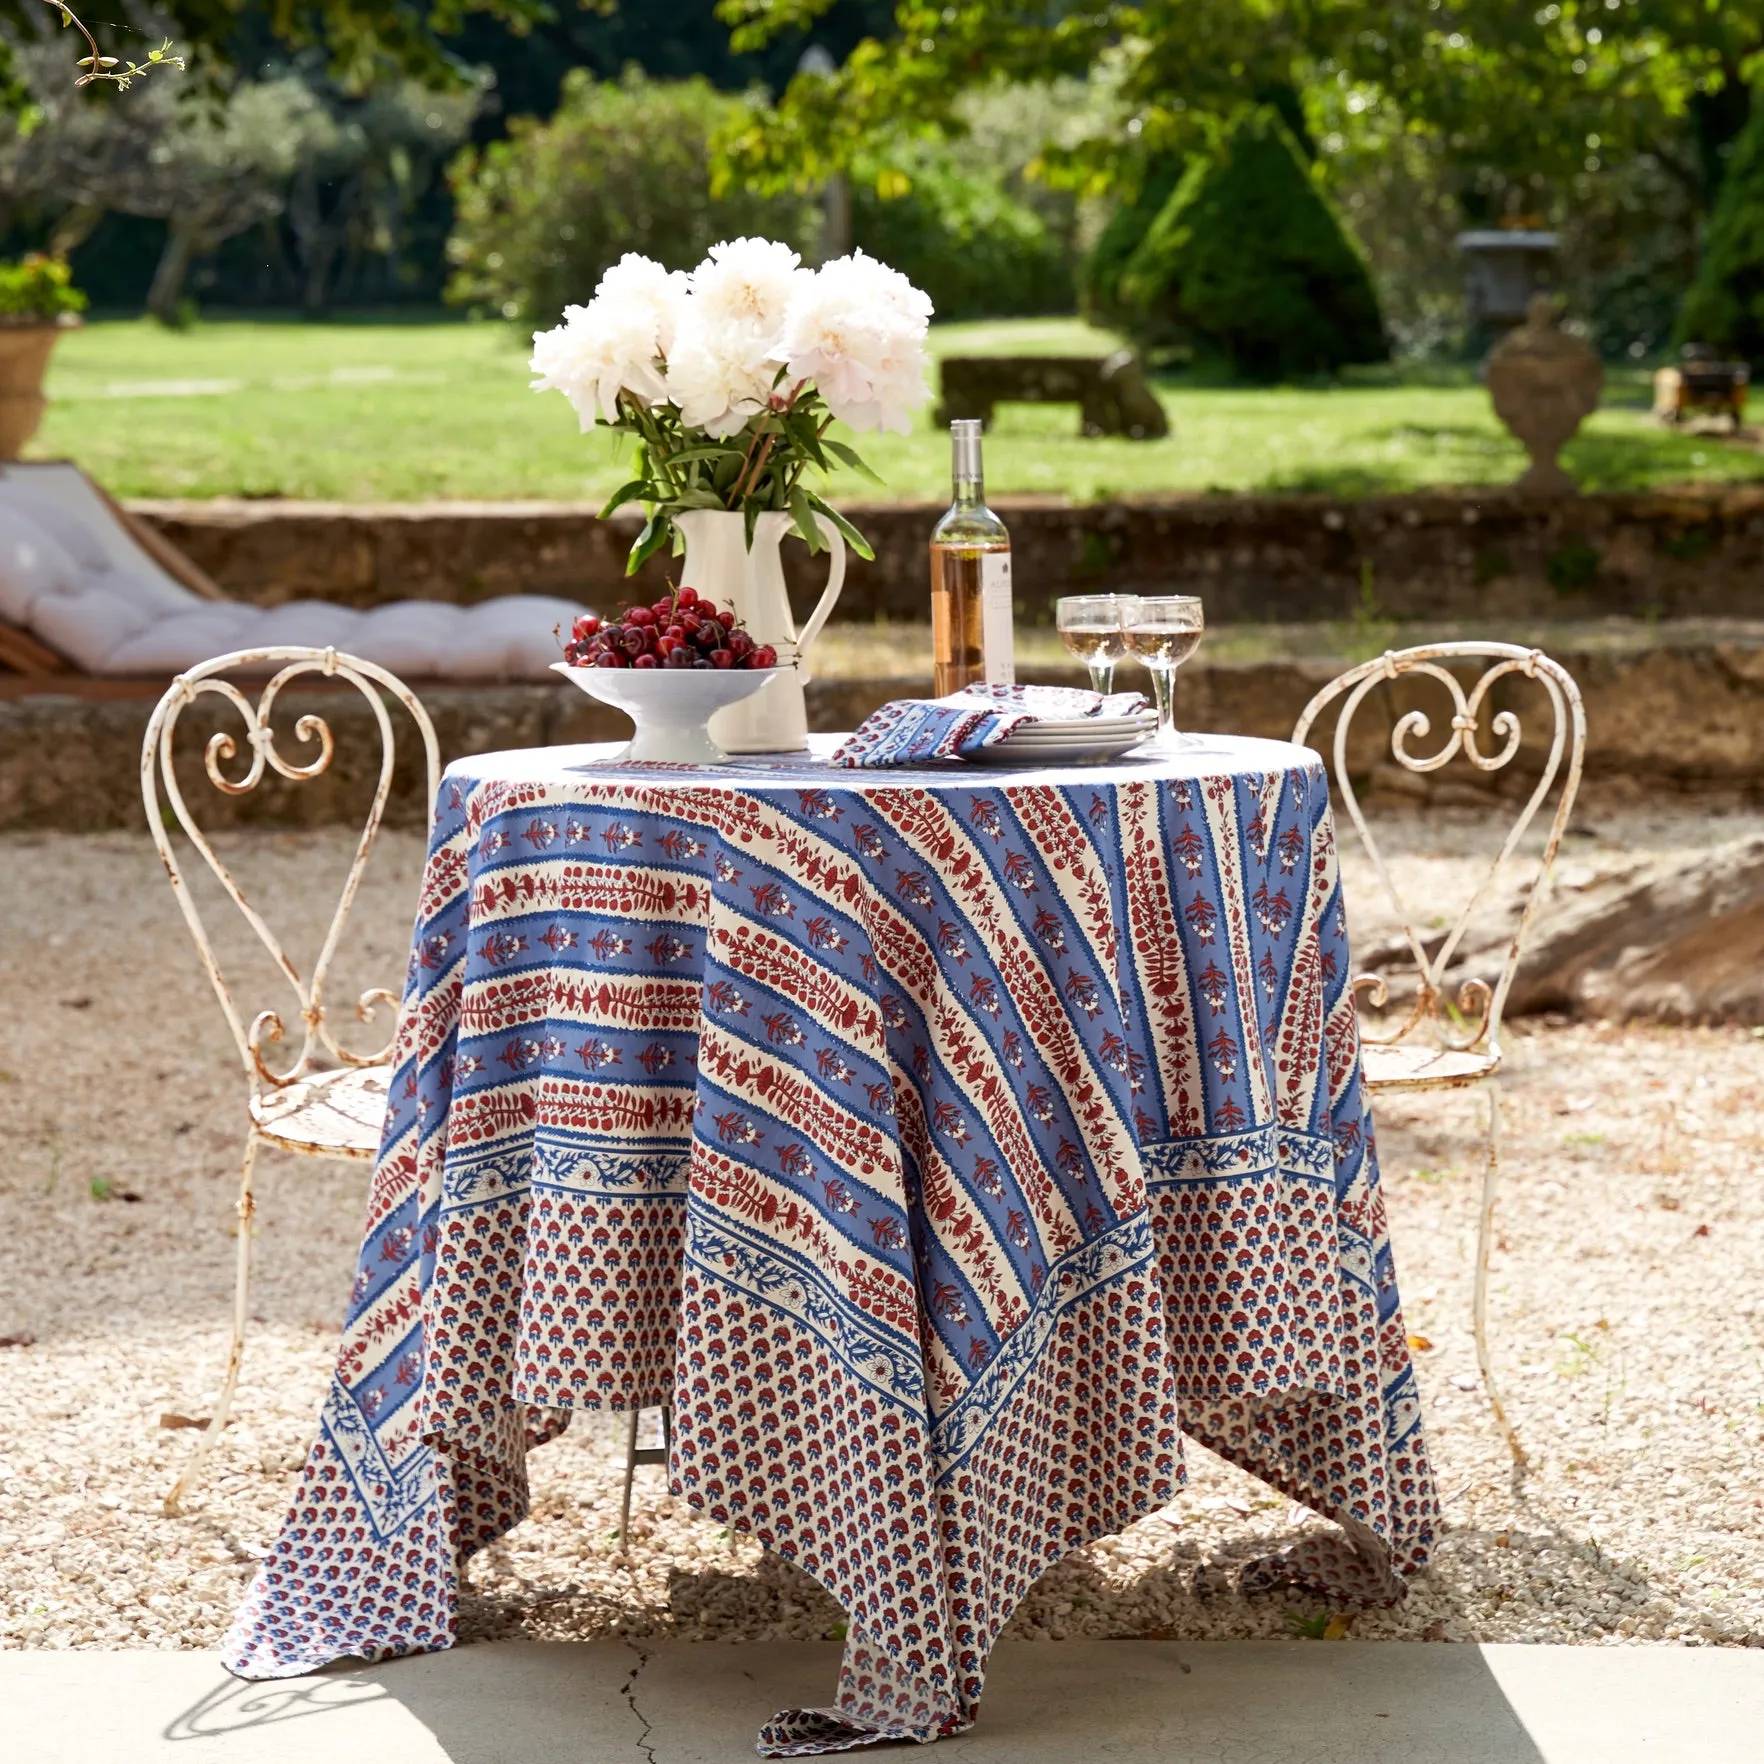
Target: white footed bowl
point(671, 706)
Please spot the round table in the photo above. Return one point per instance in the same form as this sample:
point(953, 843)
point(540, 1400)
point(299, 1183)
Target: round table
point(942, 1144)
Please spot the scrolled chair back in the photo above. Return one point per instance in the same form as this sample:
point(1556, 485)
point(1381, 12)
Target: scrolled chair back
point(319, 1045)
point(1470, 1020)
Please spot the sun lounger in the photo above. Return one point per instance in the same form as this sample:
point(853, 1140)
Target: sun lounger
point(87, 590)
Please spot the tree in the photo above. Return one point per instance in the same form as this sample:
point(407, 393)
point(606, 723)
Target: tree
point(1246, 262)
point(620, 167)
point(366, 164)
point(959, 234)
point(362, 39)
point(1521, 98)
point(209, 171)
point(1725, 305)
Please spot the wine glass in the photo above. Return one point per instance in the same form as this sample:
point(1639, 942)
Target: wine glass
point(1163, 631)
point(1090, 626)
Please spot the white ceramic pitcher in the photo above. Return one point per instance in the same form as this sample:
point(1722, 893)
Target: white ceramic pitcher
point(722, 568)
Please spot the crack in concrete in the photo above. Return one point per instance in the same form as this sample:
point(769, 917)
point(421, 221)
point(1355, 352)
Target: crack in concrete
point(628, 1690)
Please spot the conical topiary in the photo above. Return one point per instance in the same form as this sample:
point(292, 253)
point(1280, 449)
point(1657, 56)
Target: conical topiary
point(1099, 277)
point(1246, 262)
point(1725, 305)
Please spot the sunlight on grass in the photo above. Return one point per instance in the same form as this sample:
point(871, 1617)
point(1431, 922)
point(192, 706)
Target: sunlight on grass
point(406, 411)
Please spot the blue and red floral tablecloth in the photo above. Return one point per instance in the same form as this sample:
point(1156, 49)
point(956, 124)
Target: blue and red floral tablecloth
point(942, 1146)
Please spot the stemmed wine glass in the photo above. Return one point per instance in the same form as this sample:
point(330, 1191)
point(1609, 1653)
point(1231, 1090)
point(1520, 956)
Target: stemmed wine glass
point(1090, 625)
point(1163, 631)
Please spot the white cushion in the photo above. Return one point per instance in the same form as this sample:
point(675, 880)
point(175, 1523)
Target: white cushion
point(32, 567)
point(169, 645)
point(78, 581)
point(313, 624)
point(28, 493)
point(408, 636)
point(89, 626)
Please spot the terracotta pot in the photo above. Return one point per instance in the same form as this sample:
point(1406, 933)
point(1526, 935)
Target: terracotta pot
point(24, 359)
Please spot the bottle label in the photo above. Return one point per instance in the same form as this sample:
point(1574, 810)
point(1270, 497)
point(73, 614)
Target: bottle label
point(997, 629)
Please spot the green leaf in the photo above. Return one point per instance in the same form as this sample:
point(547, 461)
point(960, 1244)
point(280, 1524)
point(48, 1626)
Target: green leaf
point(804, 438)
point(697, 499)
point(750, 514)
point(851, 457)
point(653, 537)
point(853, 537)
point(802, 513)
point(701, 450)
point(638, 487)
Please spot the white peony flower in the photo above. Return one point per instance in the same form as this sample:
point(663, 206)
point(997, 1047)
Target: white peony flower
point(725, 358)
point(615, 343)
point(857, 329)
point(718, 379)
point(745, 285)
point(642, 282)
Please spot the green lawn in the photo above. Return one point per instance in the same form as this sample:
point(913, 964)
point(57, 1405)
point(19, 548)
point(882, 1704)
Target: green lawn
point(365, 411)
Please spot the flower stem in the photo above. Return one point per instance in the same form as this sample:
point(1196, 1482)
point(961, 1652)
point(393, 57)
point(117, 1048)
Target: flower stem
point(759, 466)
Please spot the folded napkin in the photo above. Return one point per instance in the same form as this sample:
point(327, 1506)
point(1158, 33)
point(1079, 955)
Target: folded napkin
point(909, 731)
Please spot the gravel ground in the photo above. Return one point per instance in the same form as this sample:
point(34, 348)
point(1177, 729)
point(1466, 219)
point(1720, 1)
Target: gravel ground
point(1628, 1315)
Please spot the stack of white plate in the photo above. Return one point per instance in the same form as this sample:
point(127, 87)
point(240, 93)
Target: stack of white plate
point(1070, 741)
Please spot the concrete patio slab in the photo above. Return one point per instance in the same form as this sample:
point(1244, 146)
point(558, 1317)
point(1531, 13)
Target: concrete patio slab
point(1047, 1703)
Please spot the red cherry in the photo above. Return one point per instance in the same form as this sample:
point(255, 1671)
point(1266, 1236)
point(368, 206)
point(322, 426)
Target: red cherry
point(726, 619)
point(722, 658)
point(635, 641)
point(704, 661)
point(663, 610)
point(640, 616)
point(679, 657)
point(676, 631)
point(763, 657)
point(585, 626)
point(645, 661)
point(686, 597)
point(740, 644)
point(706, 609)
point(609, 658)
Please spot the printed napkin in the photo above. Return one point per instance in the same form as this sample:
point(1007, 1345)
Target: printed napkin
point(910, 731)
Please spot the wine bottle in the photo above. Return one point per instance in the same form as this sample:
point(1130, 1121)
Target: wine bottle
point(971, 616)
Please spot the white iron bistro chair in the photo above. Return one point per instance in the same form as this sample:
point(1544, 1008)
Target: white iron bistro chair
point(330, 1103)
point(1442, 1042)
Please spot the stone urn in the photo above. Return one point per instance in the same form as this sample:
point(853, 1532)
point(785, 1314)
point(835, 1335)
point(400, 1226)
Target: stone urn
point(25, 347)
point(1544, 384)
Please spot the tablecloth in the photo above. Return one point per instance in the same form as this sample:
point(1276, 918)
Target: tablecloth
point(941, 1145)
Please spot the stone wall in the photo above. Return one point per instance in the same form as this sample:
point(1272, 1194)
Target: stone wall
point(1680, 715)
point(1448, 554)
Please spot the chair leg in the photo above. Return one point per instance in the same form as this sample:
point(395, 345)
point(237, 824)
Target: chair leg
point(635, 1455)
point(1484, 1246)
point(630, 1475)
point(246, 1208)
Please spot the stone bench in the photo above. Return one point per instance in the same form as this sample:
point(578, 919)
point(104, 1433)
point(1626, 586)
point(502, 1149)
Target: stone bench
point(1110, 390)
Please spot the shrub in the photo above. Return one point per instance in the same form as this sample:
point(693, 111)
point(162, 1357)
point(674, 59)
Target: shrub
point(38, 287)
point(1725, 305)
point(1099, 277)
point(1247, 262)
point(621, 166)
point(972, 246)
